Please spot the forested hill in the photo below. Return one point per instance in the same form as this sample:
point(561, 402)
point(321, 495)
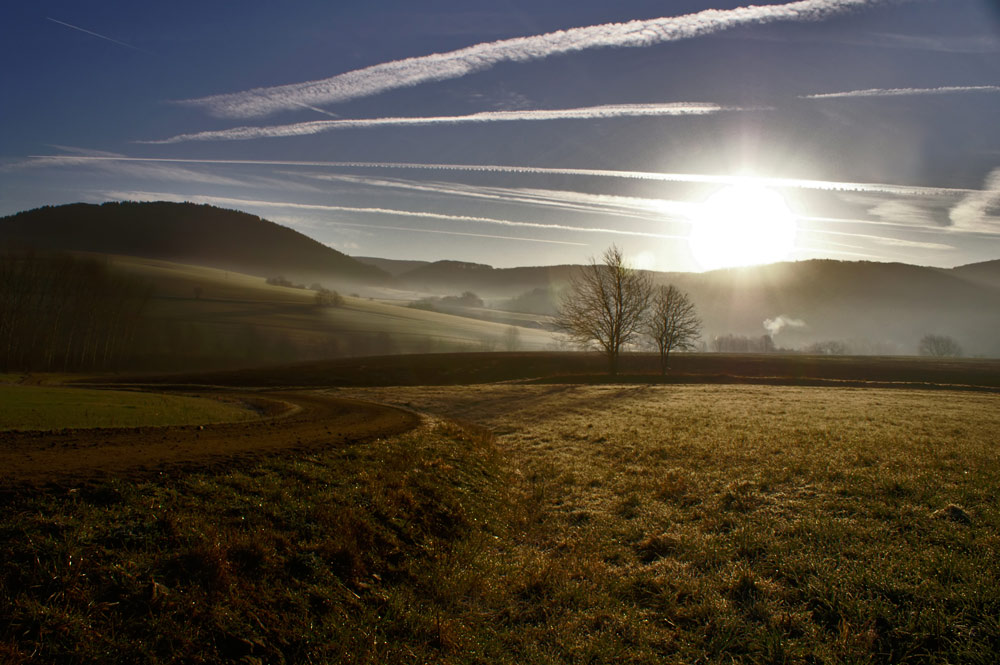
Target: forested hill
point(184, 233)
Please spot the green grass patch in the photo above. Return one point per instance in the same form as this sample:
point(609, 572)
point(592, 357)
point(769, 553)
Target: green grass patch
point(45, 408)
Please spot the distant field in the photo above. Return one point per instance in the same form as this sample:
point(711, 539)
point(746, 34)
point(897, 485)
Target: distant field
point(47, 408)
point(570, 367)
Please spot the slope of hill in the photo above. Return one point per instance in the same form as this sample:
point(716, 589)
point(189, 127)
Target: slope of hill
point(204, 317)
point(882, 308)
point(187, 233)
point(394, 267)
point(986, 273)
point(453, 277)
point(871, 307)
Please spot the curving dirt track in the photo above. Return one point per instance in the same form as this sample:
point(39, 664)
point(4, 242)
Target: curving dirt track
point(306, 421)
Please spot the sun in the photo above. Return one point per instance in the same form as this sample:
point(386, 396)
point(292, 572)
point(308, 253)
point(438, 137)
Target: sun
point(742, 225)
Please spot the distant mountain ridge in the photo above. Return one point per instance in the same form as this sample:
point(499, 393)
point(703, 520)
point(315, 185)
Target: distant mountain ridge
point(878, 308)
point(484, 279)
point(872, 308)
point(986, 273)
point(392, 266)
point(185, 233)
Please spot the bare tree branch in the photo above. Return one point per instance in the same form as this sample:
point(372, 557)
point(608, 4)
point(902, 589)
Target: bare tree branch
point(672, 322)
point(605, 305)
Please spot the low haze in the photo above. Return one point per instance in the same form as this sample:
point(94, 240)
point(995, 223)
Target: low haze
point(526, 133)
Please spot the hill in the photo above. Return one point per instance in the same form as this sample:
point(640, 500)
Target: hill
point(186, 233)
point(392, 266)
point(986, 273)
point(204, 317)
point(453, 277)
point(880, 308)
point(863, 307)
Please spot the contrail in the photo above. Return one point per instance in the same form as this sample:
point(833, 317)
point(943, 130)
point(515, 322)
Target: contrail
point(401, 213)
point(456, 233)
point(905, 92)
point(619, 206)
point(414, 71)
point(114, 41)
point(584, 113)
point(791, 183)
point(885, 240)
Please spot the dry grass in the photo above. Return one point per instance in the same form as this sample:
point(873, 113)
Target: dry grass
point(761, 524)
point(624, 523)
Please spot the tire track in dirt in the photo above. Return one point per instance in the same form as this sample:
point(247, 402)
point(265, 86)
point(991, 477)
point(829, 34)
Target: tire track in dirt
point(308, 421)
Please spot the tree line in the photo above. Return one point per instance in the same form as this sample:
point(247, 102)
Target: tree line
point(62, 313)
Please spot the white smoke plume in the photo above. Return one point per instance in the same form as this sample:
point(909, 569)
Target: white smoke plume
point(780, 322)
point(414, 71)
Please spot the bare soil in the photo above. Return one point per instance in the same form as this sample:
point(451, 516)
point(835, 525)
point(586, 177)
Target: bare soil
point(290, 421)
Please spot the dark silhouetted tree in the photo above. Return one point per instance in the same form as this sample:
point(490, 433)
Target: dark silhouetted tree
point(672, 322)
point(605, 305)
point(939, 346)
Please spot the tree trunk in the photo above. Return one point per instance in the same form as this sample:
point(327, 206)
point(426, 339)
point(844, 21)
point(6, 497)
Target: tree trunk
point(613, 363)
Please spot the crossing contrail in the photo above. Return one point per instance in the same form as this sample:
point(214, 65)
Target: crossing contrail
point(94, 34)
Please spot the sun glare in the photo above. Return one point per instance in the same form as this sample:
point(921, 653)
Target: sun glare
point(742, 225)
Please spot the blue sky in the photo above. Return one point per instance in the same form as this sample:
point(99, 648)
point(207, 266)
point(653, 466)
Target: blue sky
point(519, 133)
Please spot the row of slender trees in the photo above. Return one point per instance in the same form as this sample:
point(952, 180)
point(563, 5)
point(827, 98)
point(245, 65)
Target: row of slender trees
point(62, 313)
point(610, 304)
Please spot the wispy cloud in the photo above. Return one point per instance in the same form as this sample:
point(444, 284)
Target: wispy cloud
point(112, 163)
point(100, 36)
point(905, 92)
point(888, 240)
point(411, 72)
point(985, 43)
point(910, 213)
point(793, 183)
point(585, 113)
point(624, 206)
point(980, 211)
point(146, 169)
point(257, 203)
point(410, 229)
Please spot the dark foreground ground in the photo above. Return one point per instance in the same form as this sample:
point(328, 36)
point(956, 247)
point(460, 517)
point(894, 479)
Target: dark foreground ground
point(477, 368)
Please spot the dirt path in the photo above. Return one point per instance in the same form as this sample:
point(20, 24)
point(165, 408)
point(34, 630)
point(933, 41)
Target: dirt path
point(309, 421)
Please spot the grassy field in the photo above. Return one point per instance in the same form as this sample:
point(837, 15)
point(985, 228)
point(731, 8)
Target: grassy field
point(211, 317)
point(557, 524)
point(49, 408)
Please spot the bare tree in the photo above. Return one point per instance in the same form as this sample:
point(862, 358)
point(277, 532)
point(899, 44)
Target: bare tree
point(939, 346)
point(512, 339)
point(672, 322)
point(605, 305)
